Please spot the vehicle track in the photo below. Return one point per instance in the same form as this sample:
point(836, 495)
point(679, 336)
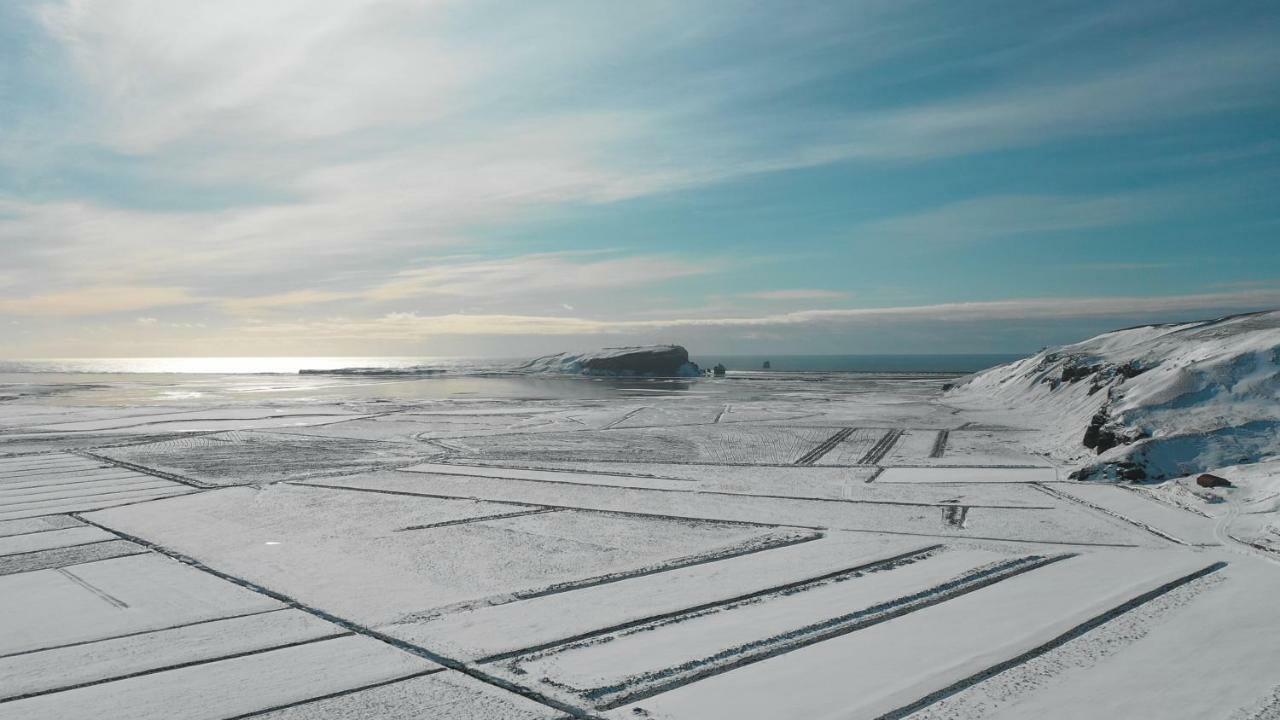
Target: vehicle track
point(1075, 632)
point(824, 447)
point(655, 682)
point(1111, 513)
point(645, 623)
point(940, 444)
point(882, 447)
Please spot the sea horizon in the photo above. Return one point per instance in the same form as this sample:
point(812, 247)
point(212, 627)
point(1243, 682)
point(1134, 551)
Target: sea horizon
point(463, 365)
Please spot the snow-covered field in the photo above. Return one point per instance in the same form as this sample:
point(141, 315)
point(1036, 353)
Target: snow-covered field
point(851, 547)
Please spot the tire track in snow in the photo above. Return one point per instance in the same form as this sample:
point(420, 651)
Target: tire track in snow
point(722, 604)
point(1075, 632)
point(1112, 513)
point(422, 652)
point(656, 682)
point(824, 447)
point(940, 444)
point(882, 447)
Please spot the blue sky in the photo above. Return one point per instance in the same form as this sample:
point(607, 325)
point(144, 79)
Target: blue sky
point(449, 178)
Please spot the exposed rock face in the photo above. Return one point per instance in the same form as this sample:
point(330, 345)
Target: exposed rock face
point(1158, 401)
point(656, 361)
point(1211, 481)
point(642, 361)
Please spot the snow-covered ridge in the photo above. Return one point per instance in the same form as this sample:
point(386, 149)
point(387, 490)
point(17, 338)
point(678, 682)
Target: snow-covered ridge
point(641, 361)
point(1150, 402)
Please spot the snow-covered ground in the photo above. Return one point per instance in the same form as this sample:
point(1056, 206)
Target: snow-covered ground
point(749, 547)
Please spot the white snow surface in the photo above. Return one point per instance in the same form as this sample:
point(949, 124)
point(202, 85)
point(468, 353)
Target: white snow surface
point(1207, 394)
point(771, 546)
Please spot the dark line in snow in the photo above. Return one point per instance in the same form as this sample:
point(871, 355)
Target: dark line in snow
point(918, 553)
point(623, 513)
point(624, 418)
point(819, 632)
point(824, 447)
point(53, 558)
point(940, 444)
point(37, 532)
point(724, 493)
point(140, 632)
point(106, 596)
point(147, 471)
point(59, 547)
point(1073, 633)
point(882, 447)
point(481, 518)
point(332, 695)
point(177, 666)
point(1112, 513)
point(411, 648)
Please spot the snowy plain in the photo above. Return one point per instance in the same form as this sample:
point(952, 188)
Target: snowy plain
point(855, 546)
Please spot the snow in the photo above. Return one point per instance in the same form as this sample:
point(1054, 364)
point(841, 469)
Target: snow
point(225, 688)
point(350, 551)
point(1175, 524)
point(49, 670)
point(1028, 524)
point(1208, 394)
point(641, 361)
point(886, 666)
point(445, 695)
point(52, 539)
point(966, 475)
point(48, 608)
point(762, 545)
point(1192, 666)
point(487, 631)
point(619, 658)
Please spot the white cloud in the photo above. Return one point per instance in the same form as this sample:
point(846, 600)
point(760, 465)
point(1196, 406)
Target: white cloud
point(99, 300)
point(505, 279)
point(411, 325)
point(373, 133)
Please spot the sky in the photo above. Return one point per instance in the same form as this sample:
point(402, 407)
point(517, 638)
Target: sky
point(394, 177)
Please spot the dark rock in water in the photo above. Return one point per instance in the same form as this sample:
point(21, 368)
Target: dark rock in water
point(767, 365)
point(1209, 480)
point(657, 361)
point(719, 370)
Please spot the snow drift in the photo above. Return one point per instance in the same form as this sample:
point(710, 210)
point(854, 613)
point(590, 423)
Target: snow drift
point(1151, 402)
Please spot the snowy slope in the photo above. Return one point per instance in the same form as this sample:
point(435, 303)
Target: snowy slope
point(1151, 402)
point(641, 361)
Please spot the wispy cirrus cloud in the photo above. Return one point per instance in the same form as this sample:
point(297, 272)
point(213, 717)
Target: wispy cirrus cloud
point(412, 325)
point(353, 141)
point(98, 300)
point(525, 276)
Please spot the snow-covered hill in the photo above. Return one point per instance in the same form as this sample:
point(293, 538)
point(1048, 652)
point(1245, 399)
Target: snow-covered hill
point(1151, 402)
point(641, 361)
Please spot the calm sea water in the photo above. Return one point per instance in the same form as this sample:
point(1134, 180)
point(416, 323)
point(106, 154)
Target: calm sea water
point(452, 366)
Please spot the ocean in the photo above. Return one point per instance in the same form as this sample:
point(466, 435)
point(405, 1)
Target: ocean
point(454, 366)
